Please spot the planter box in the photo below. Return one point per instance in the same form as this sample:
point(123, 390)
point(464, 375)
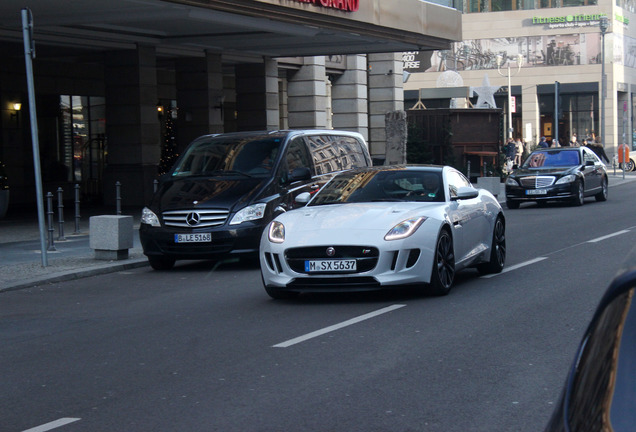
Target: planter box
point(111, 236)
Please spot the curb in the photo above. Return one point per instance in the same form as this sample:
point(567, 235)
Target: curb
point(66, 275)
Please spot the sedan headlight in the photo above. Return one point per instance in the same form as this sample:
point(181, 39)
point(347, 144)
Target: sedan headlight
point(512, 182)
point(149, 217)
point(571, 178)
point(249, 213)
point(404, 228)
point(276, 232)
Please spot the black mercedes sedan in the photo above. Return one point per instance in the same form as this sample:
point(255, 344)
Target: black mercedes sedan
point(600, 390)
point(566, 173)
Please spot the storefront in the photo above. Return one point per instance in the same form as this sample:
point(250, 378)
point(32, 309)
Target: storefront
point(123, 86)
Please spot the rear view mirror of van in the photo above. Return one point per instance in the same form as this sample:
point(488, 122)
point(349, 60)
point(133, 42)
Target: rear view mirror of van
point(300, 173)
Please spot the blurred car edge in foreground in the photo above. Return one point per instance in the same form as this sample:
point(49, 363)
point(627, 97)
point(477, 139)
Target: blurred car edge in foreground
point(382, 228)
point(600, 390)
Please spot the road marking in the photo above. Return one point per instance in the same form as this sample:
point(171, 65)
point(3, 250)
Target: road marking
point(535, 260)
point(53, 425)
point(515, 267)
point(335, 327)
point(598, 239)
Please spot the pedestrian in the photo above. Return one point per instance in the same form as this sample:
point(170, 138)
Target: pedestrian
point(510, 150)
point(555, 143)
point(543, 143)
point(520, 149)
point(598, 149)
point(573, 141)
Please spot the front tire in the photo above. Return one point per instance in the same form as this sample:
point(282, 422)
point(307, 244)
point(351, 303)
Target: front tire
point(161, 263)
point(443, 273)
point(602, 195)
point(497, 250)
point(579, 199)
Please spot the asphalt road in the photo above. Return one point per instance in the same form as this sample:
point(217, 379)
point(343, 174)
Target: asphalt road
point(203, 348)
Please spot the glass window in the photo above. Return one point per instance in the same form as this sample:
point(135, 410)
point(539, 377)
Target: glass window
point(253, 156)
point(455, 181)
point(296, 156)
point(82, 147)
point(476, 6)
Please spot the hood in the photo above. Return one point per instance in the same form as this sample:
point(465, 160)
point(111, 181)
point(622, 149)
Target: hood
point(355, 216)
point(208, 192)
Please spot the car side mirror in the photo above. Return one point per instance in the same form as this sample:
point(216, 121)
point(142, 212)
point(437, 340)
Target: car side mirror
point(300, 173)
point(466, 192)
point(303, 198)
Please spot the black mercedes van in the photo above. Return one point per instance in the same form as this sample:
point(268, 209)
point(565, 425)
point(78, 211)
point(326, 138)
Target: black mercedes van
point(224, 190)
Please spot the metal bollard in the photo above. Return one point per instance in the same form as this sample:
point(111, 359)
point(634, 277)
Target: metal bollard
point(118, 197)
point(49, 212)
point(468, 171)
point(77, 209)
point(155, 185)
point(60, 208)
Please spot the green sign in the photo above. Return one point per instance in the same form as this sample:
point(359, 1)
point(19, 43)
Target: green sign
point(581, 19)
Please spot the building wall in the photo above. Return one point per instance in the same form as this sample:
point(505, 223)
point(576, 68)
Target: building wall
point(516, 32)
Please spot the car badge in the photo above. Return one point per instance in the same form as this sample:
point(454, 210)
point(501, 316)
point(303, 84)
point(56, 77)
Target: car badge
point(366, 251)
point(331, 251)
point(193, 219)
point(195, 202)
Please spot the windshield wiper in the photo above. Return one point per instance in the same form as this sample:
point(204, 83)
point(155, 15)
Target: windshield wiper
point(224, 172)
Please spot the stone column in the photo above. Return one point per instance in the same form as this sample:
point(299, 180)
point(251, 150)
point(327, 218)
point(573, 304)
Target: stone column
point(349, 97)
point(307, 95)
point(386, 94)
point(199, 98)
point(257, 96)
point(132, 126)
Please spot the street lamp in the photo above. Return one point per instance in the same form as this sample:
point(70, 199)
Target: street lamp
point(604, 25)
point(500, 62)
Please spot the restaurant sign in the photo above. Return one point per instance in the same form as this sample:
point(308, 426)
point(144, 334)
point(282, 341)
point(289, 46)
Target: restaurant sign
point(344, 5)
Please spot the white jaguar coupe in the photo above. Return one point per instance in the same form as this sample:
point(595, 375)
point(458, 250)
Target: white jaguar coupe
point(384, 227)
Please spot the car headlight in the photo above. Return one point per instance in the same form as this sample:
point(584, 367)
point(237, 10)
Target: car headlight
point(512, 182)
point(404, 228)
point(249, 213)
point(276, 232)
point(571, 178)
point(149, 217)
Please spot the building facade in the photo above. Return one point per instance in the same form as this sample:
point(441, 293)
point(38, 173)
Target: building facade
point(121, 87)
point(537, 49)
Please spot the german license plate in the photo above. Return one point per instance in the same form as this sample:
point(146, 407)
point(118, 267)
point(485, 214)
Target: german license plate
point(536, 192)
point(330, 265)
point(193, 238)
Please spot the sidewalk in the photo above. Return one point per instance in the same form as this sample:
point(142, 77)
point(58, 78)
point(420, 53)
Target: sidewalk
point(20, 247)
point(21, 263)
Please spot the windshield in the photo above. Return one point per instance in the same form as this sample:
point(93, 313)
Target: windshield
point(254, 156)
point(552, 159)
point(373, 186)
